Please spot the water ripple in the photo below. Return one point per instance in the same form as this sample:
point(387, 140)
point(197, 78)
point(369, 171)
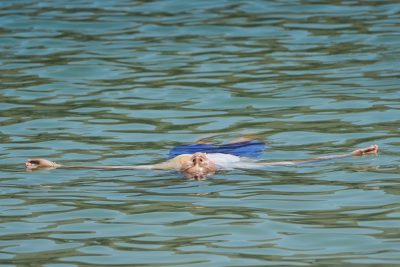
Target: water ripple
point(121, 82)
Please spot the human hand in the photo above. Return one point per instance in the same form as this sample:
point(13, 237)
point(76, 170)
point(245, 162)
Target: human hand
point(364, 151)
point(33, 164)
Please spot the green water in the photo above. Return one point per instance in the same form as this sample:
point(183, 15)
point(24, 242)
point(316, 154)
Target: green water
point(121, 82)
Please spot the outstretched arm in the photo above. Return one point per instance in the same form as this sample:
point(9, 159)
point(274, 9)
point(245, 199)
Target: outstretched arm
point(358, 152)
point(34, 164)
point(172, 164)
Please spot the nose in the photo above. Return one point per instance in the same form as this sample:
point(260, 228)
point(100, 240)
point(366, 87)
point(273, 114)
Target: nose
point(197, 161)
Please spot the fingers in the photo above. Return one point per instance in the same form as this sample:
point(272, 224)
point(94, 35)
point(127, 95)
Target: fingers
point(32, 164)
point(371, 150)
point(364, 151)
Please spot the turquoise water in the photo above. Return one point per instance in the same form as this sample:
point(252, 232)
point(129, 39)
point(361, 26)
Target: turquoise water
point(121, 82)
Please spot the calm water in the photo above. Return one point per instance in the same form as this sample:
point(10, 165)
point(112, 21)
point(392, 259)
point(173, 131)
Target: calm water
point(121, 82)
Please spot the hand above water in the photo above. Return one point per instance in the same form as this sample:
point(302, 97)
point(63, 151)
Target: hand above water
point(364, 151)
point(33, 164)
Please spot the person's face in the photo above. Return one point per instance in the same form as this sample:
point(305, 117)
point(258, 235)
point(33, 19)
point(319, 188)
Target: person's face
point(199, 167)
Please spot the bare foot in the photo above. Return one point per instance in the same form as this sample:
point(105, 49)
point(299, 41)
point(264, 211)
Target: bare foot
point(33, 164)
point(364, 151)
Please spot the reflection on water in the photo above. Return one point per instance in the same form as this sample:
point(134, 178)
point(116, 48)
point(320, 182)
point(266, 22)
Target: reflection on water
point(108, 82)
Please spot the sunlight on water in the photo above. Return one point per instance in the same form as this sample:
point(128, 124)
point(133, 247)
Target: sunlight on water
point(122, 82)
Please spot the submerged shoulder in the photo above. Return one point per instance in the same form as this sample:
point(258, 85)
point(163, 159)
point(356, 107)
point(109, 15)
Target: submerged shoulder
point(174, 163)
point(181, 159)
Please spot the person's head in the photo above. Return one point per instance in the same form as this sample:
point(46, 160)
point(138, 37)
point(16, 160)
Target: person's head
point(198, 167)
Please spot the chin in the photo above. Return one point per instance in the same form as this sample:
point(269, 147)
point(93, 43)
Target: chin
point(198, 176)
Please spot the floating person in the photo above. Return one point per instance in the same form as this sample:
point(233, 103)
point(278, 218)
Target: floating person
point(198, 161)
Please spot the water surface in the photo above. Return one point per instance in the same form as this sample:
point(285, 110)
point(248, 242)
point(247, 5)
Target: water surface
point(121, 82)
